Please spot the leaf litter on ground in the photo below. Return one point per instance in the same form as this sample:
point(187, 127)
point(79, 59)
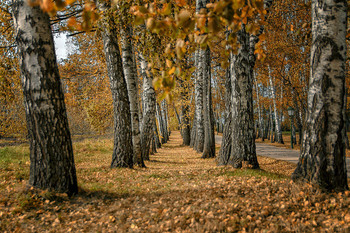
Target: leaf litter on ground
point(177, 192)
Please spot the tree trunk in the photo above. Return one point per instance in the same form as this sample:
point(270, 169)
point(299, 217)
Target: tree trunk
point(322, 159)
point(242, 64)
point(209, 135)
point(267, 129)
point(226, 144)
point(243, 137)
point(194, 124)
point(153, 149)
point(263, 128)
point(130, 71)
point(272, 135)
point(300, 130)
point(178, 119)
point(51, 154)
point(149, 110)
point(278, 137)
point(185, 128)
point(123, 148)
point(160, 123)
point(347, 145)
point(184, 118)
point(167, 119)
point(260, 129)
point(156, 135)
point(193, 131)
point(200, 62)
point(164, 114)
point(199, 143)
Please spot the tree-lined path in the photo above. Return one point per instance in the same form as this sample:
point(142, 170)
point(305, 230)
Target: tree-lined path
point(178, 191)
point(139, 70)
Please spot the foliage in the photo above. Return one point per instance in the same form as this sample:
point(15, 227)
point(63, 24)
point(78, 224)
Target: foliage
point(12, 117)
point(287, 47)
point(87, 96)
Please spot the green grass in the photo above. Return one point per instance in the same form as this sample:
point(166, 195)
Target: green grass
point(254, 173)
point(13, 155)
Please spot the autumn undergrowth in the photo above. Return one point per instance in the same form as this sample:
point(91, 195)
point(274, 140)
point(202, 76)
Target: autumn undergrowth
point(177, 192)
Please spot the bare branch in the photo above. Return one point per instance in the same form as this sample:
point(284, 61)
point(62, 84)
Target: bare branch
point(8, 46)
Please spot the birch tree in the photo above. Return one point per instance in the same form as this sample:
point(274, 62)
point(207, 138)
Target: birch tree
point(260, 119)
point(209, 136)
point(243, 136)
point(51, 153)
point(123, 147)
point(279, 138)
point(322, 159)
point(164, 113)
point(226, 144)
point(160, 124)
point(149, 110)
point(130, 71)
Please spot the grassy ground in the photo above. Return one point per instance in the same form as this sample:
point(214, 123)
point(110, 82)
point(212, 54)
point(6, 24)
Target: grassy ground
point(177, 191)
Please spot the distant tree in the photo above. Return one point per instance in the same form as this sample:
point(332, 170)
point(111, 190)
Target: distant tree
point(51, 153)
point(149, 110)
point(123, 147)
point(131, 77)
point(226, 144)
point(209, 136)
point(322, 159)
point(204, 140)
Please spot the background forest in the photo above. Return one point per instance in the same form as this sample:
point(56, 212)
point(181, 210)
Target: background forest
point(281, 79)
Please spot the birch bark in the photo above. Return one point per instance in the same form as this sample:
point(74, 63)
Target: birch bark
point(130, 71)
point(322, 159)
point(51, 153)
point(123, 147)
point(279, 137)
point(149, 110)
point(243, 136)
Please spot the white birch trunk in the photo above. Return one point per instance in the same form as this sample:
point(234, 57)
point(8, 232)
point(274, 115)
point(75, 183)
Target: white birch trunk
point(322, 160)
point(260, 133)
point(279, 137)
point(149, 110)
point(51, 154)
point(130, 71)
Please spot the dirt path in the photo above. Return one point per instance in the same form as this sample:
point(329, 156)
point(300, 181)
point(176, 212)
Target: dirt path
point(177, 192)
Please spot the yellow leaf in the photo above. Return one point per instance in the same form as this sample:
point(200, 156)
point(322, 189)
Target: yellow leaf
point(214, 25)
point(47, 5)
point(72, 22)
point(172, 70)
point(150, 23)
point(69, 2)
point(181, 2)
point(166, 9)
point(262, 37)
point(168, 63)
point(237, 4)
point(183, 17)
